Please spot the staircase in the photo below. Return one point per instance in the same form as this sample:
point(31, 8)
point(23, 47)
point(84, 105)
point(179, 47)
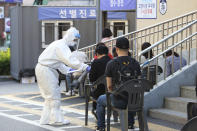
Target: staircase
point(175, 108)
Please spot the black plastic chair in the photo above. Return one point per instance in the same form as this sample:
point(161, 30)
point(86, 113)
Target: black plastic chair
point(191, 110)
point(192, 107)
point(191, 125)
point(135, 90)
point(88, 88)
point(150, 73)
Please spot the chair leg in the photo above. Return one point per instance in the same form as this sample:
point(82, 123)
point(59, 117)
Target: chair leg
point(115, 115)
point(108, 112)
point(86, 106)
point(66, 83)
point(124, 120)
point(145, 121)
point(141, 120)
point(189, 110)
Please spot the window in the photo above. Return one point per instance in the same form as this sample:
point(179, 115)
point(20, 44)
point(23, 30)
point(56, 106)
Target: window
point(54, 30)
point(118, 27)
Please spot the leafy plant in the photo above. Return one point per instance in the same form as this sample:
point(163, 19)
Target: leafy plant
point(5, 62)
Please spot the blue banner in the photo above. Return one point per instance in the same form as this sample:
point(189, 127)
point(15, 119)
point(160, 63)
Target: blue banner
point(51, 13)
point(109, 5)
point(14, 1)
point(45, 13)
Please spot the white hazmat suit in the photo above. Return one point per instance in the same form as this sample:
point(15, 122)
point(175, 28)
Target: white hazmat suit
point(57, 56)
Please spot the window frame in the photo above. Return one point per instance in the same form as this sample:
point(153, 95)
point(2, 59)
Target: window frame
point(55, 22)
point(111, 24)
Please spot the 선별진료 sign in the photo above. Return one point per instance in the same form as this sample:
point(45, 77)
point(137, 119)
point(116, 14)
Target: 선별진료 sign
point(110, 5)
point(66, 13)
point(147, 9)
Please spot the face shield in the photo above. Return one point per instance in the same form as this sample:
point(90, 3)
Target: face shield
point(76, 41)
point(72, 38)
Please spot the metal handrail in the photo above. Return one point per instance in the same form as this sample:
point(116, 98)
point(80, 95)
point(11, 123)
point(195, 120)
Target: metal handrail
point(152, 33)
point(142, 29)
point(168, 37)
point(170, 48)
point(186, 43)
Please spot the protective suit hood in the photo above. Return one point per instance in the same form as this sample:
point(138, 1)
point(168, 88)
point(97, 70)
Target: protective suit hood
point(72, 34)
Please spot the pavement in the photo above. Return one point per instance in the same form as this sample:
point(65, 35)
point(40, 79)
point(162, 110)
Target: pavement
point(21, 106)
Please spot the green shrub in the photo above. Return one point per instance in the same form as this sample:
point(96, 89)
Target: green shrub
point(5, 62)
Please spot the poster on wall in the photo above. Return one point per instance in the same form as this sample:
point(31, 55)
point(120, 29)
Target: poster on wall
point(146, 9)
point(1, 12)
point(163, 6)
point(7, 24)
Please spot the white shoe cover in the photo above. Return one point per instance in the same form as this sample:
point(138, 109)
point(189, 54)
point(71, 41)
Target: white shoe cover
point(65, 122)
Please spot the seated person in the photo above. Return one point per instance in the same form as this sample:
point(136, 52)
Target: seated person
point(176, 63)
point(109, 54)
point(115, 53)
point(148, 55)
point(98, 69)
point(113, 78)
point(152, 65)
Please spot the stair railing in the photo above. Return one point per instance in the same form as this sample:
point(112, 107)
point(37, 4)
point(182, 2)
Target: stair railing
point(183, 42)
point(150, 34)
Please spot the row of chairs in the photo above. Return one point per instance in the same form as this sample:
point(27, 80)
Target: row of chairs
point(135, 89)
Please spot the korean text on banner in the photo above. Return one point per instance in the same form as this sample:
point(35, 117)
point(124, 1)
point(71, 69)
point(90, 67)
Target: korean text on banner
point(147, 9)
point(47, 13)
point(110, 5)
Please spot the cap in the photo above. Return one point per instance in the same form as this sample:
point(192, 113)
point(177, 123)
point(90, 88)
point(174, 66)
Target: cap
point(122, 43)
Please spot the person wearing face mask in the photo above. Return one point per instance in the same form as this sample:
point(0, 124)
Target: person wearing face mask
point(57, 56)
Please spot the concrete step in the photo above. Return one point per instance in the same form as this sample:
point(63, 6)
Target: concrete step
point(169, 115)
point(177, 103)
point(188, 92)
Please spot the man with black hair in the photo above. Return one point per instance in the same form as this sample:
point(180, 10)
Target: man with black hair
point(98, 69)
point(114, 80)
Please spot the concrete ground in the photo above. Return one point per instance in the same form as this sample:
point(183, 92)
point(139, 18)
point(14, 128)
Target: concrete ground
point(21, 105)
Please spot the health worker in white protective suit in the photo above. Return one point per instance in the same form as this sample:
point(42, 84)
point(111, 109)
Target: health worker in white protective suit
point(56, 57)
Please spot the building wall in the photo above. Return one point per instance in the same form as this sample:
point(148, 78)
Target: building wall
point(2, 21)
point(71, 2)
point(26, 45)
point(174, 8)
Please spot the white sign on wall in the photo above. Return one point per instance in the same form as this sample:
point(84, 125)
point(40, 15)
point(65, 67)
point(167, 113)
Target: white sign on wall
point(7, 24)
point(163, 6)
point(1, 12)
point(146, 9)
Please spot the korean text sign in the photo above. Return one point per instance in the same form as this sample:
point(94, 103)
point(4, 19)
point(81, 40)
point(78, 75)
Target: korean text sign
point(147, 9)
point(45, 13)
point(109, 5)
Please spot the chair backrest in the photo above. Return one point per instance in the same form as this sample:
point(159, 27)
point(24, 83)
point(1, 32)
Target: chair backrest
point(191, 125)
point(151, 73)
point(100, 80)
point(191, 110)
point(135, 90)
